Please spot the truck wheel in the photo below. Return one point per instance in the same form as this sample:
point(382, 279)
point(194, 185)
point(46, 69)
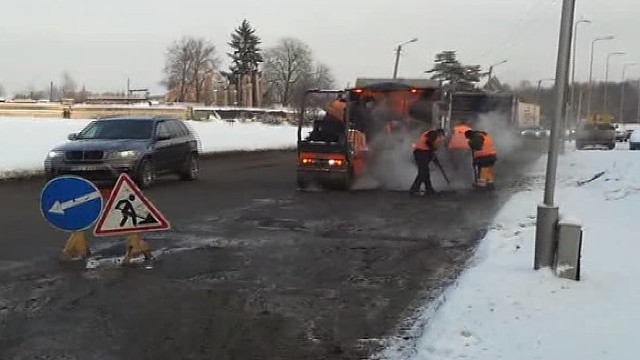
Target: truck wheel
point(301, 182)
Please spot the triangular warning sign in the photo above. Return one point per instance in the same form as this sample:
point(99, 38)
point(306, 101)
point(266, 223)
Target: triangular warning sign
point(129, 211)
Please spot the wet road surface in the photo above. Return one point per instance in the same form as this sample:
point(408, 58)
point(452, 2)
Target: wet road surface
point(252, 269)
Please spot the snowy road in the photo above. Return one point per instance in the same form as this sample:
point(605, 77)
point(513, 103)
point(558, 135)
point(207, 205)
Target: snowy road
point(252, 269)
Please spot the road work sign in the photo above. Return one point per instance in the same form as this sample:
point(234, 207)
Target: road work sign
point(70, 203)
point(128, 211)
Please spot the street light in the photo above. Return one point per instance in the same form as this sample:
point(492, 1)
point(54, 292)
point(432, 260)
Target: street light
point(548, 212)
point(593, 44)
point(573, 70)
point(539, 88)
point(606, 78)
point(491, 70)
point(398, 51)
point(622, 87)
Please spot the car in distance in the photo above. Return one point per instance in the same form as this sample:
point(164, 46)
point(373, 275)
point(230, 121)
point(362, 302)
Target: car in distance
point(590, 133)
point(141, 147)
point(634, 140)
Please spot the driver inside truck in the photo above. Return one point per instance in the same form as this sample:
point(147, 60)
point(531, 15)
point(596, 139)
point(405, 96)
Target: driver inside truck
point(331, 128)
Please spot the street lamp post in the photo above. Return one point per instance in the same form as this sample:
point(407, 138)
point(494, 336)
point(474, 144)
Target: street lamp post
point(593, 44)
point(539, 88)
point(606, 79)
point(490, 75)
point(622, 88)
point(573, 67)
point(548, 212)
point(398, 51)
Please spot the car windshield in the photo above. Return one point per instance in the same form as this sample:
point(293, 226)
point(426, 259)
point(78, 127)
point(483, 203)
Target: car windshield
point(117, 129)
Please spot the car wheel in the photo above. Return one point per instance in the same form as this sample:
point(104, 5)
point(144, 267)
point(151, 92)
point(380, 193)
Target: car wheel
point(191, 168)
point(146, 175)
point(612, 146)
point(579, 145)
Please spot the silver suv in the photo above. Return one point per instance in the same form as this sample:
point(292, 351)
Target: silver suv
point(141, 147)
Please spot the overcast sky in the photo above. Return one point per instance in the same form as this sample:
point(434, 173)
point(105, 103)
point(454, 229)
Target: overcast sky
point(102, 42)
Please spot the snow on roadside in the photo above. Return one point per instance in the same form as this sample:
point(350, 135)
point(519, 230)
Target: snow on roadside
point(26, 141)
point(501, 308)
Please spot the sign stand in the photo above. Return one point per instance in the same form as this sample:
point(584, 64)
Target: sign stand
point(136, 246)
point(128, 212)
point(77, 246)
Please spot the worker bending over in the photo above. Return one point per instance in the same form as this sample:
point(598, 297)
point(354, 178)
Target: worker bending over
point(484, 157)
point(459, 154)
point(424, 152)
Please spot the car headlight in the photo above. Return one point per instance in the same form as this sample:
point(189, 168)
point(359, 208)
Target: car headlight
point(128, 154)
point(54, 154)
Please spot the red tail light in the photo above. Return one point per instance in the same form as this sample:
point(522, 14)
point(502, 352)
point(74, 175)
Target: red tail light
point(336, 162)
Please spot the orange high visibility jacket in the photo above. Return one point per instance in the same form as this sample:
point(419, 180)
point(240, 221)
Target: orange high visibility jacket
point(488, 149)
point(458, 140)
point(428, 140)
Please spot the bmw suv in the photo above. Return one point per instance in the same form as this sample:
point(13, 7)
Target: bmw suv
point(141, 147)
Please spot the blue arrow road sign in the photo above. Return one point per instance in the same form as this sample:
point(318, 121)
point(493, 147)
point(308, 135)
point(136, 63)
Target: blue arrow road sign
point(70, 203)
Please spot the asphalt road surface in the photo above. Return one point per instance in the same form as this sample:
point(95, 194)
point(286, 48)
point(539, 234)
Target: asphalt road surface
point(252, 269)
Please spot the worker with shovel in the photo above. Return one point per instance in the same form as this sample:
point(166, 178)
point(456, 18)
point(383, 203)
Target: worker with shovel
point(424, 150)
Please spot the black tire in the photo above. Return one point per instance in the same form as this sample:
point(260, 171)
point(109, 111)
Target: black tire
point(191, 168)
point(612, 146)
point(347, 181)
point(579, 146)
point(146, 174)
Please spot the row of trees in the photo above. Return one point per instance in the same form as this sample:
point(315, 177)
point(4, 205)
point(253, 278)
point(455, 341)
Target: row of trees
point(288, 68)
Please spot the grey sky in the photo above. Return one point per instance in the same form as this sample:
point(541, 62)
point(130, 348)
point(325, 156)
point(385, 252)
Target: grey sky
point(103, 42)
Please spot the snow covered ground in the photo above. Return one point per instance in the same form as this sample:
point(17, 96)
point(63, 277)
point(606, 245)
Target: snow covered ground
point(25, 142)
point(501, 308)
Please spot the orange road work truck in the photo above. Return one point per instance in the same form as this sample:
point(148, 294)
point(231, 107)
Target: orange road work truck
point(339, 147)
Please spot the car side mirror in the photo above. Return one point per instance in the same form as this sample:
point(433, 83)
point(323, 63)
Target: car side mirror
point(72, 136)
point(162, 137)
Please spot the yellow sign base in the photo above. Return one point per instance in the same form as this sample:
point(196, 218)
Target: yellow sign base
point(76, 246)
point(136, 246)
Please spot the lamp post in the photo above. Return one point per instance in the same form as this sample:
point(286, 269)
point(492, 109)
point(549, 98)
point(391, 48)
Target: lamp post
point(622, 88)
point(573, 67)
point(539, 88)
point(398, 51)
point(593, 44)
point(548, 212)
point(491, 70)
point(606, 78)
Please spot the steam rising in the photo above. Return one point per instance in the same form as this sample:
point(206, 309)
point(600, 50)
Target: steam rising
point(392, 166)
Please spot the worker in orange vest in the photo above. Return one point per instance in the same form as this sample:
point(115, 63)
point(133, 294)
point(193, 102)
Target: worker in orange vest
point(423, 153)
point(459, 153)
point(485, 156)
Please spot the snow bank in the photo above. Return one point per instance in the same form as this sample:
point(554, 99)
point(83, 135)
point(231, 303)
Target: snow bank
point(502, 309)
point(25, 142)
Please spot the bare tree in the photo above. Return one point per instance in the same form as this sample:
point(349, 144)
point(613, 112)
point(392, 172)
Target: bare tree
point(287, 65)
point(69, 86)
point(203, 63)
point(320, 78)
point(190, 62)
point(178, 67)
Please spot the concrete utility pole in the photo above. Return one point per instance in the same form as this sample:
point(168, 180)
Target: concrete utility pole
point(622, 89)
point(638, 114)
point(606, 79)
point(548, 212)
point(398, 51)
point(491, 70)
point(593, 44)
point(539, 88)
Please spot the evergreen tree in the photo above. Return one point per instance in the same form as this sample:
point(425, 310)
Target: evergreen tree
point(246, 55)
point(448, 69)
